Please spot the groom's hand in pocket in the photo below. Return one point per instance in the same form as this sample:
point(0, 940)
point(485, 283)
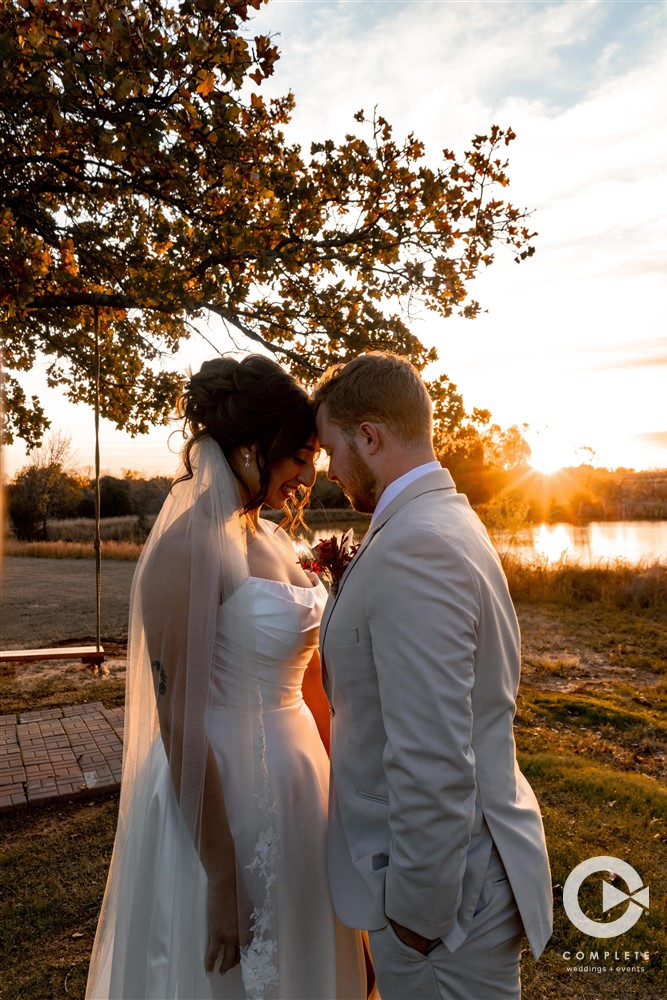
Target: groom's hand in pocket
point(412, 939)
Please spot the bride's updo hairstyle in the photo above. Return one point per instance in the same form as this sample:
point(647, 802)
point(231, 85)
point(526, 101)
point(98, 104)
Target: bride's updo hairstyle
point(245, 403)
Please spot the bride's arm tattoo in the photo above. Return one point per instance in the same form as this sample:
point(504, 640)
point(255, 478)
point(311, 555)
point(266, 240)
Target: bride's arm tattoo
point(160, 678)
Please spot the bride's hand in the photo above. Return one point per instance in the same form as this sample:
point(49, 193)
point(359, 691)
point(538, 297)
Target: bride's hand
point(223, 927)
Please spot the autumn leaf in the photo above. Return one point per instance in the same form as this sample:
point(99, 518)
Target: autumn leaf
point(207, 84)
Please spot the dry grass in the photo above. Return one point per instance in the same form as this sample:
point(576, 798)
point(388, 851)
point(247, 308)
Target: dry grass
point(614, 583)
point(128, 551)
point(590, 733)
point(116, 529)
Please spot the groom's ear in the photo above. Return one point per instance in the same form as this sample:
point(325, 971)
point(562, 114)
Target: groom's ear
point(371, 437)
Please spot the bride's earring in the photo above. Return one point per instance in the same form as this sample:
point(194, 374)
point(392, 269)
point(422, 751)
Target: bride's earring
point(247, 460)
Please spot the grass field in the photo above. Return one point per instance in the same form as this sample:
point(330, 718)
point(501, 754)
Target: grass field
point(591, 734)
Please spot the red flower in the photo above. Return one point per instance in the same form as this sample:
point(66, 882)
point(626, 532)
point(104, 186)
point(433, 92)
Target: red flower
point(329, 558)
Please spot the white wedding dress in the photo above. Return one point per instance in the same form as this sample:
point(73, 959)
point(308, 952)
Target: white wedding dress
point(300, 952)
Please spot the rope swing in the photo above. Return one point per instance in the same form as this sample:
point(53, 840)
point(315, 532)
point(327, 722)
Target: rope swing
point(98, 526)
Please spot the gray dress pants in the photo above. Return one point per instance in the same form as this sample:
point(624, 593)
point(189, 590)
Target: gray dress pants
point(484, 967)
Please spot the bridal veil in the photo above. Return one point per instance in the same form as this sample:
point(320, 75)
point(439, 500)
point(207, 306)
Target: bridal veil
point(194, 559)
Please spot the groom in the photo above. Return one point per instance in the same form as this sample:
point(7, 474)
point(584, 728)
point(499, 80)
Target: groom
point(436, 844)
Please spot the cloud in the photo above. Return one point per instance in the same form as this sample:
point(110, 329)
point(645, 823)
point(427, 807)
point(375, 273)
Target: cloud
point(647, 354)
point(581, 84)
point(435, 62)
point(435, 68)
point(657, 438)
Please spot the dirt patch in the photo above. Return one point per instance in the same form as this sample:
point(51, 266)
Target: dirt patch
point(30, 676)
point(564, 648)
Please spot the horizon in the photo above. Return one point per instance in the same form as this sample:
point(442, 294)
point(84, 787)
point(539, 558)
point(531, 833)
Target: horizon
point(168, 469)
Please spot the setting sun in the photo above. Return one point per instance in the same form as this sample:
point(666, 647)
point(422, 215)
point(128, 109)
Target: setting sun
point(549, 452)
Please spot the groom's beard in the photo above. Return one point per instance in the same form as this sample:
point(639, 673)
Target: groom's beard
point(362, 488)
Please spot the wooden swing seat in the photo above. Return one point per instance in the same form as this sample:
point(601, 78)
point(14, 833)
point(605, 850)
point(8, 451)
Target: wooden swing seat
point(87, 654)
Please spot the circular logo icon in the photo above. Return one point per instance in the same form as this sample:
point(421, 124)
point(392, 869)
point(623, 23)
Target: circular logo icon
point(637, 898)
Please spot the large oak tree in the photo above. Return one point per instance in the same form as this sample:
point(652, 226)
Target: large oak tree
point(142, 173)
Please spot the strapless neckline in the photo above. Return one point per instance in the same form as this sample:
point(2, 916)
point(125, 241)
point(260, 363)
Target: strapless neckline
point(266, 632)
point(281, 583)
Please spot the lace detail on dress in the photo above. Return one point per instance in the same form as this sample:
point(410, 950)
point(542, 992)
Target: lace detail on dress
point(257, 960)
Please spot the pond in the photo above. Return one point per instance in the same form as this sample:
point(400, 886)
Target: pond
point(599, 541)
point(632, 541)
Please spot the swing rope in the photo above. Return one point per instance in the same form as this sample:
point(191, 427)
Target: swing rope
point(98, 527)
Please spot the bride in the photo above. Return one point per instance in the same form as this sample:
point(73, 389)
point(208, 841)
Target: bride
point(218, 884)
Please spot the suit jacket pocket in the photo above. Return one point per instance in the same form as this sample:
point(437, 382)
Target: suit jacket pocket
point(342, 636)
point(372, 797)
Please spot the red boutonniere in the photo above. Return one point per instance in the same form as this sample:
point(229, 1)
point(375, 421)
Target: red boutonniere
point(330, 557)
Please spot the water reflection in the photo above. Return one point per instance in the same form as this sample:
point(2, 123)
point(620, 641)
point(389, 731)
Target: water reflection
point(553, 541)
point(357, 527)
point(632, 541)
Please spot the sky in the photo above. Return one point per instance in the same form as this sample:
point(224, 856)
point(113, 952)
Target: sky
point(573, 342)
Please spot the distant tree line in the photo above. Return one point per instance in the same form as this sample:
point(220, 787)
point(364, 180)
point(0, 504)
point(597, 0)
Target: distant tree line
point(582, 494)
point(37, 496)
point(48, 488)
point(489, 465)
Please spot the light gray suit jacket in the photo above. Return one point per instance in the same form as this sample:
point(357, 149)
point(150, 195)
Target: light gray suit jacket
point(421, 660)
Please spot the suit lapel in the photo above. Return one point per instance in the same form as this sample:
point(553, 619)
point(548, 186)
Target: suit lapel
point(440, 480)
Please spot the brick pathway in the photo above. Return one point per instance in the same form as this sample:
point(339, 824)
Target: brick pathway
point(59, 753)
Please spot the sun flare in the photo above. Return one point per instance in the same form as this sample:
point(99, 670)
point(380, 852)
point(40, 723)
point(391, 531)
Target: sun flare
point(550, 453)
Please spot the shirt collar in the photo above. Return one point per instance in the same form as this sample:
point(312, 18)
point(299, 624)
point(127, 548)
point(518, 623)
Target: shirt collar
point(398, 485)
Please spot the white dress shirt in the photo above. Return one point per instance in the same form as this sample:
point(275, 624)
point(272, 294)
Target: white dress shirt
point(399, 484)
